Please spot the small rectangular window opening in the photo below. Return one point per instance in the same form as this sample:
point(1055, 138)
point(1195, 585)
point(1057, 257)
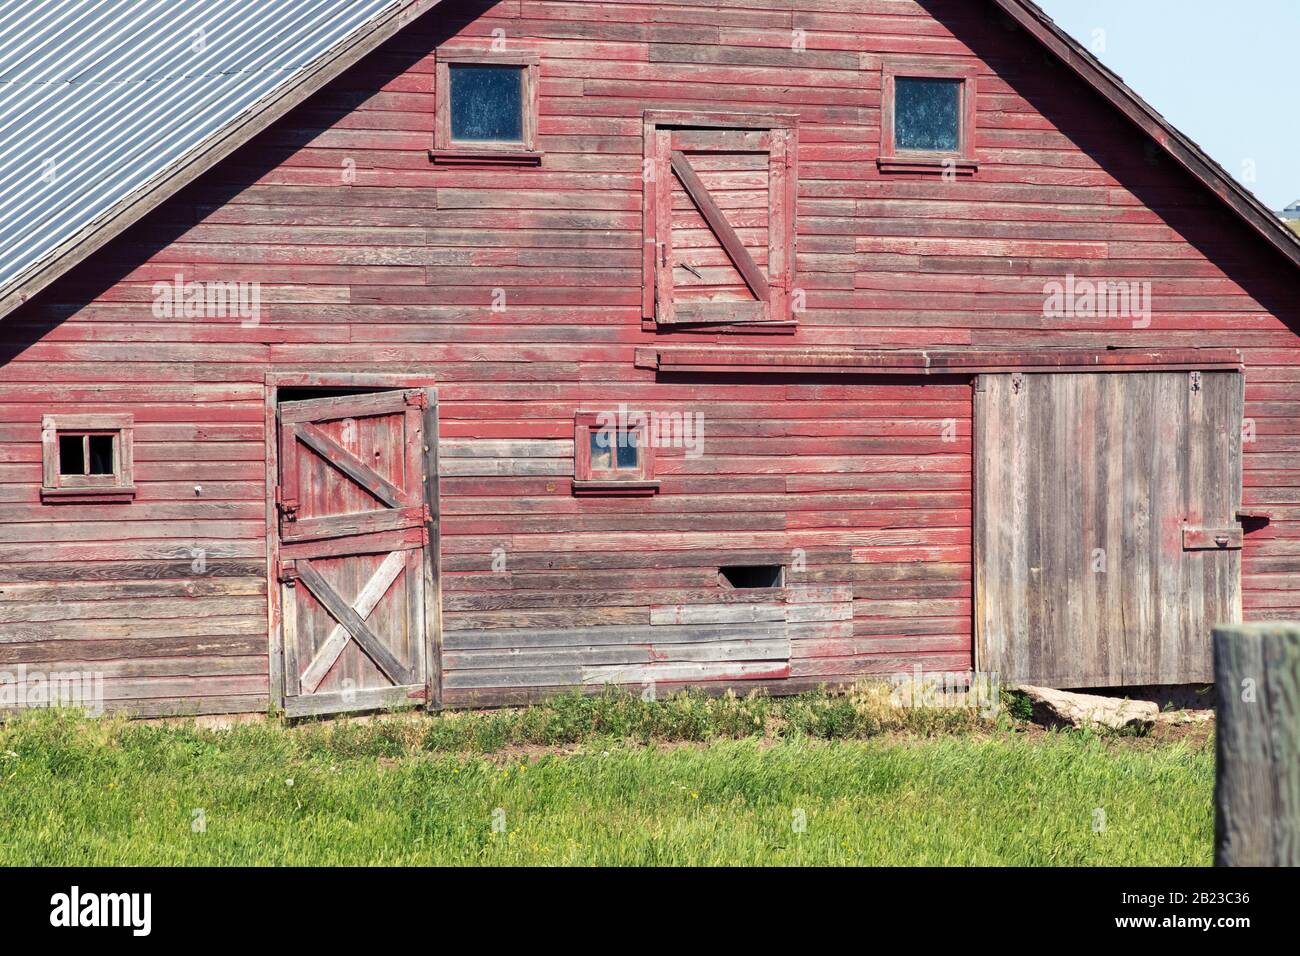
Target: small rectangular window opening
point(86, 454)
point(752, 575)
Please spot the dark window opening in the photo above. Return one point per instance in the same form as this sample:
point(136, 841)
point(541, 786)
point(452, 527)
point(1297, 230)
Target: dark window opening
point(101, 455)
point(754, 575)
point(927, 114)
point(72, 455)
point(487, 103)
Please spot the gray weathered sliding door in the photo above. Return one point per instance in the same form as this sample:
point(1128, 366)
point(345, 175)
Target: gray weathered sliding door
point(1106, 541)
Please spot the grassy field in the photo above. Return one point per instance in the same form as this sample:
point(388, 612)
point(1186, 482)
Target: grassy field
point(839, 780)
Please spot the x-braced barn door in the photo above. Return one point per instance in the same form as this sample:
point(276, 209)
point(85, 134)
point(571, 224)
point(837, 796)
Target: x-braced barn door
point(358, 549)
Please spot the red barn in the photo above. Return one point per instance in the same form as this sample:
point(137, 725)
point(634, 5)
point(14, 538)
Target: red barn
point(462, 352)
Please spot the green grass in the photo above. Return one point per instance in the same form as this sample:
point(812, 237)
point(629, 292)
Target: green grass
point(874, 785)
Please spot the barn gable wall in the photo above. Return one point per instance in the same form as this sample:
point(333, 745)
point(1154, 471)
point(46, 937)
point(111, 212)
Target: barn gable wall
point(370, 257)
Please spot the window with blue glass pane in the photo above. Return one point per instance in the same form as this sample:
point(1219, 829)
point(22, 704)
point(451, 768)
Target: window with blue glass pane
point(615, 449)
point(627, 446)
point(486, 103)
point(927, 114)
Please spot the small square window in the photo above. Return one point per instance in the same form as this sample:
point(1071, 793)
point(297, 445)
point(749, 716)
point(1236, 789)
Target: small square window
point(87, 457)
point(486, 107)
point(927, 114)
point(927, 117)
point(612, 456)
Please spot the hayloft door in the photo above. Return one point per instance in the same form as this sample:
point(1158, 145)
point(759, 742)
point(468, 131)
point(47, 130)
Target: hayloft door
point(357, 551)
point(723, 213)
point(1107, 542)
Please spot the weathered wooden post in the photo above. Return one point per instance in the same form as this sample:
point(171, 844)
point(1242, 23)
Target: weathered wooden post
point(1257, 782)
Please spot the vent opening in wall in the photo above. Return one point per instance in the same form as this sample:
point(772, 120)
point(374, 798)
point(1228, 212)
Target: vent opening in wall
point(752, 576)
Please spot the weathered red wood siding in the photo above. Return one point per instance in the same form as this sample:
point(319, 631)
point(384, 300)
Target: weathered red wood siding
point(394, 269)
point(848, 484)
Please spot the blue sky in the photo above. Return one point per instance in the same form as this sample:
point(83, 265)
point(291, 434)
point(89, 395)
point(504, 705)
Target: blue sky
point(1226, 74)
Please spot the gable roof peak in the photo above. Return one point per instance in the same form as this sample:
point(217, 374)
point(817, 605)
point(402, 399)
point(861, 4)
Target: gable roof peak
point(109, 107)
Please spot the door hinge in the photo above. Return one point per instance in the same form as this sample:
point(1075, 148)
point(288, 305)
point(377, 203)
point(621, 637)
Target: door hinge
point(287, 573)
point(288, 507)
point(1195, 380)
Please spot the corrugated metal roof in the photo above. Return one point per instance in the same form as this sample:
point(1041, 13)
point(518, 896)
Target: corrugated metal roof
point(100, 97)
